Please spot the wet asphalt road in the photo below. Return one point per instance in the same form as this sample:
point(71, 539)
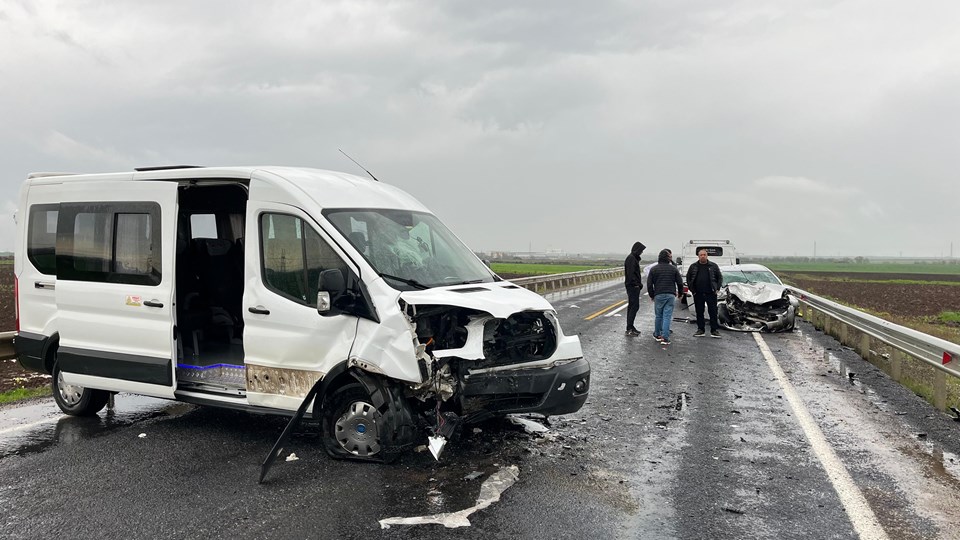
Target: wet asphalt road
point(694, 440)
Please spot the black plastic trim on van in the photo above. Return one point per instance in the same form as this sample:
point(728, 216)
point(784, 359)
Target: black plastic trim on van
point(127, 367)
point(30, 348)
point(168, 168)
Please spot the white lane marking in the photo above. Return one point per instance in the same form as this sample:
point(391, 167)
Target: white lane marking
point(619, 309)
point(861, 516)
point(490, 492)
point(28, 426)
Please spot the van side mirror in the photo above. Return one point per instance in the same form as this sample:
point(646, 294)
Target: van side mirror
point(679, 261)
point(331, 286)
point(738, 260)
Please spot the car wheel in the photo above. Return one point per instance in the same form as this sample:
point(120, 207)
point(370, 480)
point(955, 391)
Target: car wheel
point(367, 422)
point(77, 400)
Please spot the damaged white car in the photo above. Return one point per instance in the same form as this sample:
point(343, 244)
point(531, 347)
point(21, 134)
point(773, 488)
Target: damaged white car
point(753, 299)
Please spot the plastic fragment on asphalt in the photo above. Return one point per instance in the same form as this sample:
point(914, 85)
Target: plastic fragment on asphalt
point(292, 457)
point(490, 492)
point(473, 476)
point(436, 445)
point(142, 435)
point(528, 425)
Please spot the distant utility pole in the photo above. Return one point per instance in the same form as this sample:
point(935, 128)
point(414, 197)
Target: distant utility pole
point(814, 249)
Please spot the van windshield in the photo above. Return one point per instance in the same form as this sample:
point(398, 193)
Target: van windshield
point(411, 250)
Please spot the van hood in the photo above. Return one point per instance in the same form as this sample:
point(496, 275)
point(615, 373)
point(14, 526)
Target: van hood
point(500, 299)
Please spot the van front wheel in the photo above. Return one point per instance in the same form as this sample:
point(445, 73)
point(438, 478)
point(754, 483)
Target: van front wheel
point(367, 421)
point(76, 400)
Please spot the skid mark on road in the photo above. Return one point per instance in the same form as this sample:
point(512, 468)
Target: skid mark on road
point(859, 511)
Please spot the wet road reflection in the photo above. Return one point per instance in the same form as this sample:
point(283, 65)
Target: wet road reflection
point(38, 426)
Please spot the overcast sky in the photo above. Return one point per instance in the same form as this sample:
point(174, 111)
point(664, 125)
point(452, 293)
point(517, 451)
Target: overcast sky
point(547, 125)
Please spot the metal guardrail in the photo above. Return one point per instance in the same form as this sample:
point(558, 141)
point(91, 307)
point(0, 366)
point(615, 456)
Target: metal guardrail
point(838, 320)
point(545, 284)
point(6, 346)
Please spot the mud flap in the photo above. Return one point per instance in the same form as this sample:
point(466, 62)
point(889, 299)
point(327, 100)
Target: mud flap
point(287, 431)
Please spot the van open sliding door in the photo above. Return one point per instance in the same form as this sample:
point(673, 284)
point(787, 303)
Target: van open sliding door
point(115, 280)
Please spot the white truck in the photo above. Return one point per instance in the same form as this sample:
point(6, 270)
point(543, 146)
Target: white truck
point(722, 252)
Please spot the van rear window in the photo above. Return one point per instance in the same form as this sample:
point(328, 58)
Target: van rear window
point(42, 237)
point(712, 251)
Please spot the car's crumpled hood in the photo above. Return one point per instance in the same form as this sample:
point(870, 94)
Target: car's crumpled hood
point(500, 299)
point(756, 293)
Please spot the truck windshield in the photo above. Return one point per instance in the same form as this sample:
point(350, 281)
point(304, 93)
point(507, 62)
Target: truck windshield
point(411, 250)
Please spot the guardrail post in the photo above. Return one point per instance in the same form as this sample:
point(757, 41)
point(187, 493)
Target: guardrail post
point(865, 346)
point(843, 334)
point(940, 390)
point(827, 324)
point(896, 364)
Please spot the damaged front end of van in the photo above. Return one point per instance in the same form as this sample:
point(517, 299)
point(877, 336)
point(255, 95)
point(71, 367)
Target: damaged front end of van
point(480, 351)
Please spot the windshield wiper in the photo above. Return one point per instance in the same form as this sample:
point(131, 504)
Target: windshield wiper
point(411, 282)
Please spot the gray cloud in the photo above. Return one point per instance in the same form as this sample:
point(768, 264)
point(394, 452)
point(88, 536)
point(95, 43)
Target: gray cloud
point(580, 126)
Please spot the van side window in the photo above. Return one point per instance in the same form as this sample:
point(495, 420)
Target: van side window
point(203, 226)
point(109, 242)
point(293, 255)
point(42, 237)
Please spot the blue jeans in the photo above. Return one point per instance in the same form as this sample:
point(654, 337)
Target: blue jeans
point(663, 308)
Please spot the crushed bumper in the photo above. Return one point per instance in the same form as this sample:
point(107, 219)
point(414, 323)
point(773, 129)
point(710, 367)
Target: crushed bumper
point(557, 390)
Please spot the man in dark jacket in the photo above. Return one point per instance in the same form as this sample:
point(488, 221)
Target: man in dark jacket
point(633, 281)
point(704, 280)
point(664, 284)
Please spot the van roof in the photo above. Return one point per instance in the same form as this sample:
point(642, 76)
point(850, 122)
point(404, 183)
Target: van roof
point(329, 189)
point(708, 242)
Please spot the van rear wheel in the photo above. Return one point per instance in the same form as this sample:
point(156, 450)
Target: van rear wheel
point(77, 400)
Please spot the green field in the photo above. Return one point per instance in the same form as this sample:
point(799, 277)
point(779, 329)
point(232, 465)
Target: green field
point(540, 269)
point(884, 268)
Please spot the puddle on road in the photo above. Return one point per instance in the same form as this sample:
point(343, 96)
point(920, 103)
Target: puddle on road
point(34, 428)
point(556, 297)
point(943, 465)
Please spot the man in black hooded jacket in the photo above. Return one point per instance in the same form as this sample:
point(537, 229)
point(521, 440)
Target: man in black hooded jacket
point(633, 281)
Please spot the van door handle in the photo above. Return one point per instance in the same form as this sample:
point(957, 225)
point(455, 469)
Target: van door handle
point(259, 310)
point(153, 303)
point(44, 285)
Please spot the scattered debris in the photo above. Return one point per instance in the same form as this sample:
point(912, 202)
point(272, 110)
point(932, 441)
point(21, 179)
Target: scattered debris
point(473, 476)
point(292, 457)
point(733, 510)
point(490, 492)
point(528, 425)
point(477, 430)
point(436, 445)
point(142, 435)
point(955, 411)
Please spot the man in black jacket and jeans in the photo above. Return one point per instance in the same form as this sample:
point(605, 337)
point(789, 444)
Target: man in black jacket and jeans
point(704, 280)
point(633, 281)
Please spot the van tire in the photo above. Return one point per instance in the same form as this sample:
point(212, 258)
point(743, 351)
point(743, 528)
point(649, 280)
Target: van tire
point(366, 420)
point(77, 400)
